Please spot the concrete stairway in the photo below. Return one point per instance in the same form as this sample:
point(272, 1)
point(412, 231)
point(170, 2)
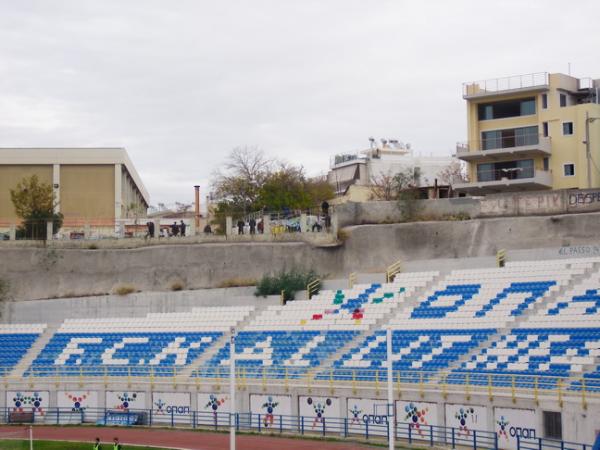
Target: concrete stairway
point(25, 362)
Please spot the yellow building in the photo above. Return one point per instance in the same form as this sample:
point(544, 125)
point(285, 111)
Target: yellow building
point(92, 186)
point(531, 132)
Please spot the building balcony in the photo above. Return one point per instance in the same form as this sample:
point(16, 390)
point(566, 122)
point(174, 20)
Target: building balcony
point(507, 85)
point(525, 146)
point(507, 180)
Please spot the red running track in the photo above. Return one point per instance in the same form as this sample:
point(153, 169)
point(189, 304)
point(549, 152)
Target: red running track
point(180, 439)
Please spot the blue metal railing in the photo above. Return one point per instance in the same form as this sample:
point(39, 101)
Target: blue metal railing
point(371, 428)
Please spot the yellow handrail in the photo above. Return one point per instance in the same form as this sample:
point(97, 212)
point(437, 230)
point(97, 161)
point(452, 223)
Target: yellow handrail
point(393, 270)
point(352, 279)
point(313, 287)
point(501, 258)
point(511, 386)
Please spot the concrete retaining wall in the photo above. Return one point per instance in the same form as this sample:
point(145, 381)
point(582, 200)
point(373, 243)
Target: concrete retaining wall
point(36, 273)
point(497, 205)
point(388, 212)
point(54, 311)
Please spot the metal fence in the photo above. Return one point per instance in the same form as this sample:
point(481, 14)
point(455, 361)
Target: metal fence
point(576, 388)
point(368, 427)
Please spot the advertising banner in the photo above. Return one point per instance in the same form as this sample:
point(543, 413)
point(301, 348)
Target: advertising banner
point(367, 416)
point(125, 400)
point(171, 406)
point(415, 417)
point(77, 405)
point(269, 409)
point(213, 409)
point(510, 423)
point(28, 402)
point(316, 410)
point(465, 419)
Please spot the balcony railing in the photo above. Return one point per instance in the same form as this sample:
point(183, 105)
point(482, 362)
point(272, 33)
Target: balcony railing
point(510, 178)
point(495, 85)
point(505, 142)
point(510, 141)
point(510, 173)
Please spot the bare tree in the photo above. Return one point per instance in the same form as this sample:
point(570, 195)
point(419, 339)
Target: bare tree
point(383, 186)
point(389, 186)
point(182, 207)
point(246, 169)
point(453, 173)
point(249, 163)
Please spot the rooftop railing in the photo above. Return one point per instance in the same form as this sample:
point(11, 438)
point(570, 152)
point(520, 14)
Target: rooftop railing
point(494, 85)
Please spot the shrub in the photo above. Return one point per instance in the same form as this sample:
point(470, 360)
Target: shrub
point(177, 285)
point(342, 235)
point(124, 289)
point(92, 247)
point(289, 282)
point(237, 282)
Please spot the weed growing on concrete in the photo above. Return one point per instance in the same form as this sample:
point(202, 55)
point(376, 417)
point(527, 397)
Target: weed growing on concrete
point(177, 285)
point(237, 282)
point(124, 289)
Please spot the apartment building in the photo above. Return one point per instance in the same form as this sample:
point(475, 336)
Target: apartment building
point(531, 132)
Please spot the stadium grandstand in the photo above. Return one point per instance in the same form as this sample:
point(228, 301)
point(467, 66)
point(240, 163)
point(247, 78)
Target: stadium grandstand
point(507, 355)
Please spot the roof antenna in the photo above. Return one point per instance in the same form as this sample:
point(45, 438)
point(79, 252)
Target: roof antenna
point(569, 69)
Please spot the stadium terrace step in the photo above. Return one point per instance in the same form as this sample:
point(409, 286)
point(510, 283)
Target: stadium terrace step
point(534, 318)
point(34, 351)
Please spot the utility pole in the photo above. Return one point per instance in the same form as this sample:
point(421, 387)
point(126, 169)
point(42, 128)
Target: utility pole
point(587, 150)
point(232, 390)
point(390, 392)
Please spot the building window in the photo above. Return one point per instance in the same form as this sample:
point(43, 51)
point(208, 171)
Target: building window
point(509, 108)
point(563, 100)
point(567, 128)
point(552, 425)
point(569, 169)
point(545, 129)
point(546, 164)
point(544, 101)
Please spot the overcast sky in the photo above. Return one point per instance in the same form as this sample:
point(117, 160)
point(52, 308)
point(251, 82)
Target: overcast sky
point(180, 83)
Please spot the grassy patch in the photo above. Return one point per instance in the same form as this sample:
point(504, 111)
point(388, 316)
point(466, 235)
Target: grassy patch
point(237, 282)
point(57, 445)
point(124, 289)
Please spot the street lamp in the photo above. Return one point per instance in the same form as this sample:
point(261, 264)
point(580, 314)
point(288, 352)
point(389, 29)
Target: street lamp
point(588, 155)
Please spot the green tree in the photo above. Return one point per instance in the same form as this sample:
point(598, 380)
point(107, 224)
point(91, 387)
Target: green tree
point(284, 188)
point(251, 182)
point(34, 204)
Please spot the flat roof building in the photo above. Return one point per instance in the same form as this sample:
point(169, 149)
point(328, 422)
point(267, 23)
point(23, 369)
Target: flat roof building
point(531, 132)
point(92, 186)
point(353, 174)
